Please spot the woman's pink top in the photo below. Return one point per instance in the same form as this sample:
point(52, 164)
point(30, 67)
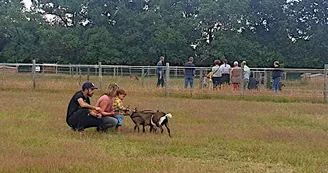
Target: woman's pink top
point(110, 101)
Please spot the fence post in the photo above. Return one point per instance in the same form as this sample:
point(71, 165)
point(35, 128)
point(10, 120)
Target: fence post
point(201, 78)
point(148, 71)
point(325, 84)
point(285, 76)
point(176, 71)
point(56, 67)
point(114, 71)
point(80, 74)
point(100, 75)
point(142, 76)
point(88, 75)
point(167, 75)
point(267, 79)
point(34, 73)
point(77, 70)
point(242, 79)
point(70, 68)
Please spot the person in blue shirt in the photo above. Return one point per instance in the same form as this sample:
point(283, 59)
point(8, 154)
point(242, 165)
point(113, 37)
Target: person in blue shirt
point(189, 73)
point(160, 71)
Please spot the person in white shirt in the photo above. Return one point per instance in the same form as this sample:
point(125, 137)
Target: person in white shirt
point(246, 74)
point(217, 75)
point(225, 72)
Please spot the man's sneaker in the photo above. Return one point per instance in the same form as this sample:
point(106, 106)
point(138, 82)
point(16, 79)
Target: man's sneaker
point(82, 131)
point(101, 129)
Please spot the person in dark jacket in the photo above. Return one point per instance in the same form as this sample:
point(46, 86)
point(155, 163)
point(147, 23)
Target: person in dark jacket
point(189, 73)
point(253, 83)
point(276, 76)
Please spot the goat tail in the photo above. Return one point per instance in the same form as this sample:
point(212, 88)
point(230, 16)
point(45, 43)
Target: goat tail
point(164, 117)
point(169, 115)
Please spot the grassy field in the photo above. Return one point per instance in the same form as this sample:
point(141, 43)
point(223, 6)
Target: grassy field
point(211, 131)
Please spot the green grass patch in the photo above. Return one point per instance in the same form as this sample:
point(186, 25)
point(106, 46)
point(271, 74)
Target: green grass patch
point(275, 99)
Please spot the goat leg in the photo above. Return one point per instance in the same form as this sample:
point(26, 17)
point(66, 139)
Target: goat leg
point(168, 129)
point(136, 127)
point(151, 128)
point(154, 129)
point(143, 128)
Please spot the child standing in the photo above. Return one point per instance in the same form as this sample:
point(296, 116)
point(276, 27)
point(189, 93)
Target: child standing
point(119, 108)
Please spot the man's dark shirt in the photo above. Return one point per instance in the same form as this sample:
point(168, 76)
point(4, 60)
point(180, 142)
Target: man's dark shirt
point(189, 70)
point(277, 72)
point(74, 104)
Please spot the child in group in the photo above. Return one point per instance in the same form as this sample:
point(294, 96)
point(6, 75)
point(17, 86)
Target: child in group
point(119, 108)
point(209, 82)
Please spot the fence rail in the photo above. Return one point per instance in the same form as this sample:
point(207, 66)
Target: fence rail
point(123, 69)
point(148, 73)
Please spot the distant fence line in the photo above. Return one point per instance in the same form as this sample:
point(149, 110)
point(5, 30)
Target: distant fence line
point(261, 74)
point(123, 70)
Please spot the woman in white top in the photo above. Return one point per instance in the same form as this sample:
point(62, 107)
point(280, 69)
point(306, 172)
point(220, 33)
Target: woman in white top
point(217, 74)
point(225, 72)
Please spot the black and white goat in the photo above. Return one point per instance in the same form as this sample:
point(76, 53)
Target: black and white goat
point(151, 118)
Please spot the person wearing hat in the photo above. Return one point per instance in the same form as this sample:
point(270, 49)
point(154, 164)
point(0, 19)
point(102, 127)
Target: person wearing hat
point(81, 114)
point(276, 76)
point(189, 73)
point(246, 75)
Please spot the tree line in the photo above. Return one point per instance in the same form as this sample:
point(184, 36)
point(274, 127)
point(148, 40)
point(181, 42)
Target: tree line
point(138, 32)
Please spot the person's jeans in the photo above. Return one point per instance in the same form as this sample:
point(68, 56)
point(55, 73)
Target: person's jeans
point(160, 80)
point(119, 118)
point(275, 84)
point(189, 80)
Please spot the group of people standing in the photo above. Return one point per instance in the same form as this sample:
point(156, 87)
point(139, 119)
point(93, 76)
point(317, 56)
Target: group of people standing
point(107, 113)
point(221, 73)
point(224, 74)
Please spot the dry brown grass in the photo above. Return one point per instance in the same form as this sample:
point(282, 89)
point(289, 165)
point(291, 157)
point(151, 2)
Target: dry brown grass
point(209, 135)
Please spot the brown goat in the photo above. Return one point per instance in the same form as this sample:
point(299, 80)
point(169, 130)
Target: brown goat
point(159, 119)
point(150, 118)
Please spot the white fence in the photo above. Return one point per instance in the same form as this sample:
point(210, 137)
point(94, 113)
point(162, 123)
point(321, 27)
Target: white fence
point(143, 72)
